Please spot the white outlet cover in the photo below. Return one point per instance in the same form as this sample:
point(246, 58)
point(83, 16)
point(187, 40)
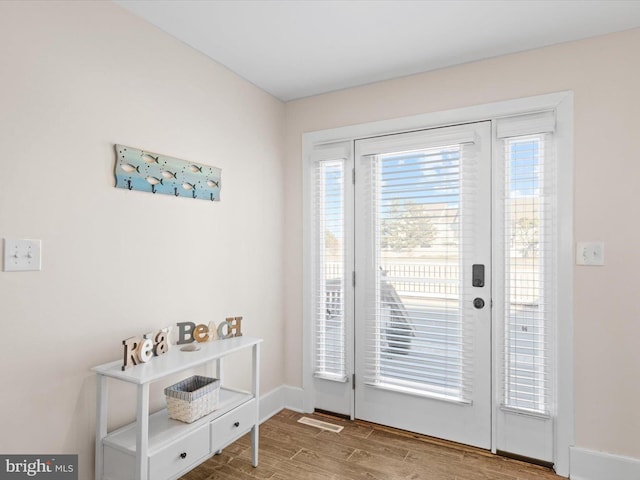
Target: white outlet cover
point(590, 253)
point(22, 255)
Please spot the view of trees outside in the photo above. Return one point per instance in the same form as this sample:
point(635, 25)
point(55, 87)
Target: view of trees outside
point(523, 251)
point(407, 227)
point(419, 250)
point(525, 235)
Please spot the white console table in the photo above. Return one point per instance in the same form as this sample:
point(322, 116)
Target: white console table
point(156, 447)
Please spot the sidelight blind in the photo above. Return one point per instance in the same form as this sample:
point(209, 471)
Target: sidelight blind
point(329, 172)
point(527, 196)
point(417, 330)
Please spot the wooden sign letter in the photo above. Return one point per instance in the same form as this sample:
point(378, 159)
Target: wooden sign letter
point(161, 343)
point(145, 350)
point(221, 334)
point(213, 331)
point(130, 347)
point(185, 332)
point(201, 333)
point(235, 326)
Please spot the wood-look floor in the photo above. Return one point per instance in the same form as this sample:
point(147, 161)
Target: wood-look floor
point(294, 451)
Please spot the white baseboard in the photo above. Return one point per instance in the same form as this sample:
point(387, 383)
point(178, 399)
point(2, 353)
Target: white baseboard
point(281, 397)
point(592, 465)
point(294, 399)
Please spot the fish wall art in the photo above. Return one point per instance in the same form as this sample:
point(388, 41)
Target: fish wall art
point(151, 172)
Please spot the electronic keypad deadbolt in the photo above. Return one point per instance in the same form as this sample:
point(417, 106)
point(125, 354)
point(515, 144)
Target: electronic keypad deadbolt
point(477, 275)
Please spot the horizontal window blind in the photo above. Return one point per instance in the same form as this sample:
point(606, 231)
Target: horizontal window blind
point(329, 263)
point(528, 194)
point(416, 328)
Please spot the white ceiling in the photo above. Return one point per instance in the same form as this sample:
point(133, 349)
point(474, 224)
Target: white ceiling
point(294, 49)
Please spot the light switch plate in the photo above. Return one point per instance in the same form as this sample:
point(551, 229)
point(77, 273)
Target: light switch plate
point(22, 255)
point(590, 253)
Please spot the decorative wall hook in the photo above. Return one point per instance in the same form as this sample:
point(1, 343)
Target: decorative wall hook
point(151, 172)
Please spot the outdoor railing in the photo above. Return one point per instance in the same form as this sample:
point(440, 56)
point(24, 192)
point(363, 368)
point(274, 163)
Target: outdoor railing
point(442, 280)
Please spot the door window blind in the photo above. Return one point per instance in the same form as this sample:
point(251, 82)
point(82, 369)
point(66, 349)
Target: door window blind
point(329, 174)
point(416, 328)
point(527, 194)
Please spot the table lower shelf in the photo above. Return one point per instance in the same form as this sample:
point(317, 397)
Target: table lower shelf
point(164, 430)
point(176, 447)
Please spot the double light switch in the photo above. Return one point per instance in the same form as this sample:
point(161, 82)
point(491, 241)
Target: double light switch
point(22, 255)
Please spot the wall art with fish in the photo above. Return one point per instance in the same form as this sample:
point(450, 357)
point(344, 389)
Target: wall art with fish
point(151, 172)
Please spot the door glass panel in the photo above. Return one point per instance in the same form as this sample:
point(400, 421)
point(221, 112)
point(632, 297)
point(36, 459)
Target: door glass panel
point(527, 244)
point(329, 298)
point(418, 340)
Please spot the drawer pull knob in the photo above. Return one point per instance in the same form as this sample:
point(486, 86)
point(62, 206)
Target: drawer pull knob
point(183, 455)
point(237, 424)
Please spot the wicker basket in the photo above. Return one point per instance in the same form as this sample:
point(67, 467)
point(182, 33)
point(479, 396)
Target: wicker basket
point(192, 398)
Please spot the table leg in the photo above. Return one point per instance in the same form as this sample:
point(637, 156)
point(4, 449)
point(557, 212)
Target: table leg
point(142, 437)
point(102, 399)
point(255, 390)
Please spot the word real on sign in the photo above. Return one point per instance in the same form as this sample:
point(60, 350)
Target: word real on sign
point(141, 350)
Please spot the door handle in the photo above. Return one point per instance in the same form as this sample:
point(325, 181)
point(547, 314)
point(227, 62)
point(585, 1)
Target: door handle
point(478, 303)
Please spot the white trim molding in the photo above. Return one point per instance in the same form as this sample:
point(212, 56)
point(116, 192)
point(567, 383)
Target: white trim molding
point(294, 399)
point(280, 398)
point(593, 465)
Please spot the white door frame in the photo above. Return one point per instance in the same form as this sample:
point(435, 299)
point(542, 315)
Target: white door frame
point(562, 103)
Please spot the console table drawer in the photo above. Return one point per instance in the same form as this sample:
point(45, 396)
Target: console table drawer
point(181, 455)
point(231, 426)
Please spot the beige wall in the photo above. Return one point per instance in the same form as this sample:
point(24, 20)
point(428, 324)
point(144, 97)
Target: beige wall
point(75, 78)
point(604, 74)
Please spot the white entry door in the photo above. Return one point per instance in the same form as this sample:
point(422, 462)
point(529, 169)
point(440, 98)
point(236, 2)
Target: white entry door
point(422, 282)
